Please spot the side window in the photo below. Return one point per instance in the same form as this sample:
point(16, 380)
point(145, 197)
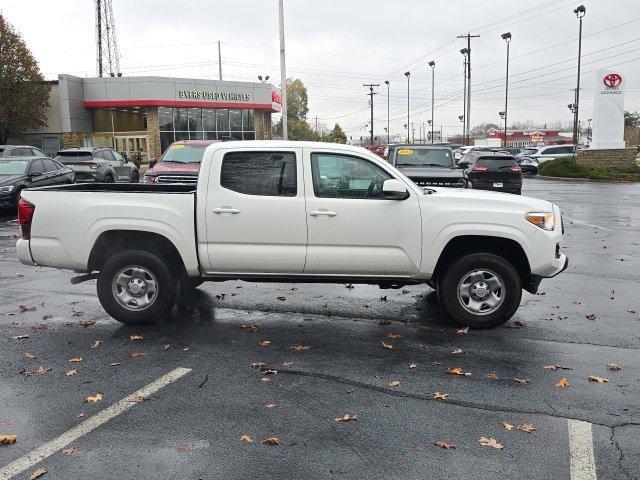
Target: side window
point(49, 165)
point(343, 176)
point(99, 155)
point(36, 167)
point(37, 152)
point(107, 155)
point(566, 149)
point(119, 157)
point(260, 173)
point(552, 151)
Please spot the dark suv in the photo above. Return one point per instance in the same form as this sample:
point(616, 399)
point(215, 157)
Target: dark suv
point(492, 171)
point(428, 165)
point(101, 165)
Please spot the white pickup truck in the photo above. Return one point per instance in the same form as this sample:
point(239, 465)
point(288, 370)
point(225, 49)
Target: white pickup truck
point(294, 212)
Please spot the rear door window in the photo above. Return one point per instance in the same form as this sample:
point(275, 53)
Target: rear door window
point(260, 173)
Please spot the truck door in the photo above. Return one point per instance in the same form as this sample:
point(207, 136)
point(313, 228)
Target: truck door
point(254, 215)
point(353, 229)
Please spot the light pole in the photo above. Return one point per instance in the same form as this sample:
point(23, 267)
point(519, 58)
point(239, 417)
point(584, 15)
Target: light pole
point(407, 74)
point(432, 64)
point(589, 135)
point(263, 80)
point(388, 128)
point(503, 116)
point(507, 38)
point(464, 52)
point(580, 12)
point(283, 73)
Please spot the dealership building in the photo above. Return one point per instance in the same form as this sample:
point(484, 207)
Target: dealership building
point(141, 116)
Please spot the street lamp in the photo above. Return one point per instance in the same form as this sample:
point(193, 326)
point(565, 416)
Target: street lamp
point(407, 74)
point(263, 80)
point(580, 12)
point(388, 128)
point(432, 64)
point(464, 53)
point(507, 38)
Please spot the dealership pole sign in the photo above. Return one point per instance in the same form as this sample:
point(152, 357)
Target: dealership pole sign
point(608, 110)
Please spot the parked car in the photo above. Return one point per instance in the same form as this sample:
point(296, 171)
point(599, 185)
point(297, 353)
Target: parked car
point(528, 165)
point(21, 151)
point(549, 152)
point(21, 172)
point(102, 165)
point(180, 163)
point(428, 165)
point(280, 211)
point(492, 171)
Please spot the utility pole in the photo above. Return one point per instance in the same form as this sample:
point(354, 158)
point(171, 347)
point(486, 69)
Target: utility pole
point(388, 122)
point(283, 73)
point(219, 61)
point(99, 37)
point(464, 97)
point(316, 123)
point(371, 94)
point(467, 115)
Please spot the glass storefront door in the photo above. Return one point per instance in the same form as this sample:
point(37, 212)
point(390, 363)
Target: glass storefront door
point(134, 146)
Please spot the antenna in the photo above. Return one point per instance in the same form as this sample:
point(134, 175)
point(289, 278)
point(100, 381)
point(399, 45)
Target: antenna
point(107, 52)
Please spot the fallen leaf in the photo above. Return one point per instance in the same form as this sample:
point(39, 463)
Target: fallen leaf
point(136, 399)
point(37, 474)
point(413, 365)
point(8, 439)
point(26, 373)
point(271, 406)
point(614, 366)
point(185, 349)
point(347, 417)
point(96, 343)
point(282, 299)
point(457, 371)
point(287, 364)
point(300, 348)
point(246, 438)
point(184, 448)
point(519, 324)
point(393, 335)
point(96, 398)
point(443, 444)
point(563, 383)
point(388, 346)
point(439, 395)
point(591, 316)
point(166, 347)
point(251, 328)
point(595, 378)
point(265, 379)
point(30, 355)
point(490, 442)
point(76, 360)
point(348, 285)
point(271, 441)
point(557, 367)
point(136, 338)
point(69, 373)
point(463, 331)
point(69, 450)
point(384, 323)
point(456, 351)
point(20, 337)
point(87, 323)
point(264, 343)
point(42, 370)
point(522, 381)
point(139, 354)
point(114, 364)
point(394, 383)
point(25, 308)
point(258, 365)
point(527, 427)
point(492, 376)
point(508, 426)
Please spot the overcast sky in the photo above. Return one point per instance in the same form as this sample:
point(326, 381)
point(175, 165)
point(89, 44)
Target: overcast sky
point(336, 46)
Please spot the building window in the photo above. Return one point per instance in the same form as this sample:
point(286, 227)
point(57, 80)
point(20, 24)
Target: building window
point(222, 119)
point(165, 119)
point(235, 120)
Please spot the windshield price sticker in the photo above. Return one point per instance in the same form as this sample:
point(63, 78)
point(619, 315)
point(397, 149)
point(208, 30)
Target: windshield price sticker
point(405, 151)
point(175, 147)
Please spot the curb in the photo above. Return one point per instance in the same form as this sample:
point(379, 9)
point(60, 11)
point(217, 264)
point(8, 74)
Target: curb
point(572, 179)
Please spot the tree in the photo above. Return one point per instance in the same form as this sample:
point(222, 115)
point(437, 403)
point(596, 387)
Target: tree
point(482, 130)
point(631, 119)
point(23, 93)
point(336, 135)
point(297, 109)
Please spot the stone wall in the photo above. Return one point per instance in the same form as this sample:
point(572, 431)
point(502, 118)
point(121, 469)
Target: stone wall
point(609, 157)
point(73, 139)
point(153, 133)
point(262, 124)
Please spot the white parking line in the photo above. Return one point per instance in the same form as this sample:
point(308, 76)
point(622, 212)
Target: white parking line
point(582, 461)
point(588, 224)
point(44, 451)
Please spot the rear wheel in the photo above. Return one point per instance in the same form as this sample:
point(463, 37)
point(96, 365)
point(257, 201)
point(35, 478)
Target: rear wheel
point(108, 178)
point(480, 290)
point(136, 287)
point(135, 177)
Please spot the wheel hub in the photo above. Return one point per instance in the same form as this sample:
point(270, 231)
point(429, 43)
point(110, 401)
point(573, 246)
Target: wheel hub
point(137, 287)
point(481, 292)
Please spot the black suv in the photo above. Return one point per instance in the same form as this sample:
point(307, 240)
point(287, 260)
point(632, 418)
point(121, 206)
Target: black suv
point(492, 171)
point(428, 165)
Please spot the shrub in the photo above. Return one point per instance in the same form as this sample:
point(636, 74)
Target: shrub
point(566, 167)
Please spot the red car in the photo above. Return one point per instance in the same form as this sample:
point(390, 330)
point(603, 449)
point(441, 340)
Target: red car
point(180, 163)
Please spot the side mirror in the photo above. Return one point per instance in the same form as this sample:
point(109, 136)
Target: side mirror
point(393, 189)
point(152, 163)
point(463, 165)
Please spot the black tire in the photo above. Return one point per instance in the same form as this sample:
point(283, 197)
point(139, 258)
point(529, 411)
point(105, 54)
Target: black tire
point(135, 177)
point(460, 270)
point(167, 287)
point(108, 178)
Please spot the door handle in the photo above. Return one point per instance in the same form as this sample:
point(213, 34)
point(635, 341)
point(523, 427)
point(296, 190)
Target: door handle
point(326, 213)
point(221, 210)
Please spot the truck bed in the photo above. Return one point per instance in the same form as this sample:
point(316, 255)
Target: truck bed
point(121, 188)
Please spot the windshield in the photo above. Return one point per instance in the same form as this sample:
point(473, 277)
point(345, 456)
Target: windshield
point(430, 157)
point(13, 167)
point(184, 153)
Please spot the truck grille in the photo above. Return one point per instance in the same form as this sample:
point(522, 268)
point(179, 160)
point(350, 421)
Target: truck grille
point(190, 179)
point(441, 182)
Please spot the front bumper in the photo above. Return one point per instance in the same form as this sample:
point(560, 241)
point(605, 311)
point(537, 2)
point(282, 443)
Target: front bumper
point(534, 280)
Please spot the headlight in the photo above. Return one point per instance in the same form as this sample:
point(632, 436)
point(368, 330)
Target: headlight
point(149, 179)
point(6, 189)
point(544, 220)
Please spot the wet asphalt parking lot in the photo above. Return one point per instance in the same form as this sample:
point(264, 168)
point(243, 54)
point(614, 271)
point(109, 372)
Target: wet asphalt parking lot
point(177, 402)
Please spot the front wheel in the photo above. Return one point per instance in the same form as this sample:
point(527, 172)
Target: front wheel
point(135, 177)
point(137, 287)
point(480, 290)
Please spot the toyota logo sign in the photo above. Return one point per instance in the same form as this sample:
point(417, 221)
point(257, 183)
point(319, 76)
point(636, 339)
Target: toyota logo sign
point(612, 80)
